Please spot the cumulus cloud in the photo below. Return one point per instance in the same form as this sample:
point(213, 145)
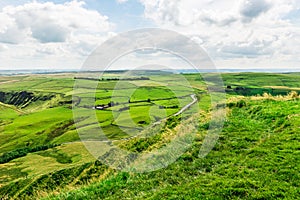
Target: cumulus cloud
point(13, 35)
point(253, 8)
point(245, 31)
point(251, 49)
point(188, 12)
point(165, 11)
point(255, 30)
point(61, 30)
point(49, 22)
point(50, 32)
point(3, 47)
point(216, 19)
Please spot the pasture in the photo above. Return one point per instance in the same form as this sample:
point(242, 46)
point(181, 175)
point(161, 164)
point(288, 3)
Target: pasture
point(41, 116)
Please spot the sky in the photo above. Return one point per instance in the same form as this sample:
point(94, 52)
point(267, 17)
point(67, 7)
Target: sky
point(236, 34)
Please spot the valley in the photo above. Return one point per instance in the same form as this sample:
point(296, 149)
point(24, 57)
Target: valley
point(44, 119)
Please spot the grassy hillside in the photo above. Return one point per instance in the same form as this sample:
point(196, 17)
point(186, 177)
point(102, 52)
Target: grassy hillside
point(41, 156)
point(256, 157)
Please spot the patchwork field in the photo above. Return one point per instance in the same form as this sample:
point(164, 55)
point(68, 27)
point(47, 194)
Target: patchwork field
point(44, 117)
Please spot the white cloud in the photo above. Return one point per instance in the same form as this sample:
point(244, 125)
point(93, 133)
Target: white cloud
point(122, 1)
point(162, 11)
point(3, 47)
point(46, 29)
point(253, 8)
point(258, 31)
point(243, 33)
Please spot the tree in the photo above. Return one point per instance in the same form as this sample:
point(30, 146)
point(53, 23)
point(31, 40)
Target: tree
point(110, 104)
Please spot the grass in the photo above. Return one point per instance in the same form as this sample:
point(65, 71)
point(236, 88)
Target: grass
point(8, 112)
point(262, 80)
point(252, 160)
point(34, 128)
point(256, 156)
point(57, 158)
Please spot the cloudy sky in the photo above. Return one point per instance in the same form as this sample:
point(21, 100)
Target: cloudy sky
point(44, 34)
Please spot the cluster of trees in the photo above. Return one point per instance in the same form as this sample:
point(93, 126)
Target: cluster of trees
point(21, 152)
point(125, 79)
point(165, 107)
point(148, 100)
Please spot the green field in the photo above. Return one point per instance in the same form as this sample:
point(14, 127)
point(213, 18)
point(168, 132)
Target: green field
point(42, 155)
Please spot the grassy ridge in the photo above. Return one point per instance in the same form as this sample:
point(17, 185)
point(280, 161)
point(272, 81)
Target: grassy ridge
point(252, 160)
point(255, 158)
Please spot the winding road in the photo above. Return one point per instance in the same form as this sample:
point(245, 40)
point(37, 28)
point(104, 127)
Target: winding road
point(193, 96)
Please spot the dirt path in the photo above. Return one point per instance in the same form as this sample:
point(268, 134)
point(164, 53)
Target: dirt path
point(193, 96)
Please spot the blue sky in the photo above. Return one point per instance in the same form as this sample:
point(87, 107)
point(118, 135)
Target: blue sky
point(127, 15)
point(43, 34)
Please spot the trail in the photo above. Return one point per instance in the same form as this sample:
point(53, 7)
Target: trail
point(193, 96)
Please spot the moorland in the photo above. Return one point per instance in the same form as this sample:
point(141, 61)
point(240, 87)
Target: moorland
point(257, 155)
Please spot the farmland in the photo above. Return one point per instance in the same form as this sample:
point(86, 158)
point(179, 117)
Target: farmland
point(41, 116)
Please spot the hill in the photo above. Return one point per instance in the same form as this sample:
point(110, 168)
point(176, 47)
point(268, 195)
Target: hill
point(256, 156)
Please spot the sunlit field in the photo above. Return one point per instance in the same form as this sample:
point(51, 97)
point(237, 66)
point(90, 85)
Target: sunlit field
point(42, 156)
